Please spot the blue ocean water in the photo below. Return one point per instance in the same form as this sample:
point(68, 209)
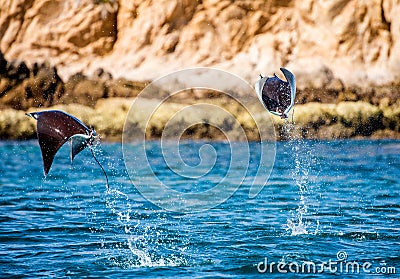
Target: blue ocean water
point(330, 207)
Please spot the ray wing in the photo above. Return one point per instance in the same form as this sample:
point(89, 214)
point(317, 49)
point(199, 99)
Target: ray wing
point(259, 87)
point(269, 102)
point(292, 83)
point(78, 143)
point(54, 128)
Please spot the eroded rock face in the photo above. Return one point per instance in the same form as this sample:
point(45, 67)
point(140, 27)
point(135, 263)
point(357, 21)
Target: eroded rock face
point(39, 85)
point(60, 31)
point(353, 41)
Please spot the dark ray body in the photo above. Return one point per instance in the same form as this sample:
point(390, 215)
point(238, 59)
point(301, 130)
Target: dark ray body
point(54, 128)
point(277, 95)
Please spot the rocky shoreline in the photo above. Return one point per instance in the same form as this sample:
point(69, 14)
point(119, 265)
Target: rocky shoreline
point(330, 112)
point(312, 121)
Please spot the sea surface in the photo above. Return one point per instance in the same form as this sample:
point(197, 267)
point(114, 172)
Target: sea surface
point(329, 208)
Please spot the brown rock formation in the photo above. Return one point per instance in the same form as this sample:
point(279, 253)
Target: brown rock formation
point(22, 87)
point(325, 43)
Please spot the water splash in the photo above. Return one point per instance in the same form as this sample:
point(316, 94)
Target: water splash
point(142, 241)
point(302, 157)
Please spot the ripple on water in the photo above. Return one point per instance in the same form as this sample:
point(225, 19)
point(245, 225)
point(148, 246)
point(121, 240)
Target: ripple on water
point(318, 201)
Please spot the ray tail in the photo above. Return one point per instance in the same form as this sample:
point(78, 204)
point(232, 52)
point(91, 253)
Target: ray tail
point(97, 161)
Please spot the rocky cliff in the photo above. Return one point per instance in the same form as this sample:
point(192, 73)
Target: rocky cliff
point(86, 56)
point(353, 42)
